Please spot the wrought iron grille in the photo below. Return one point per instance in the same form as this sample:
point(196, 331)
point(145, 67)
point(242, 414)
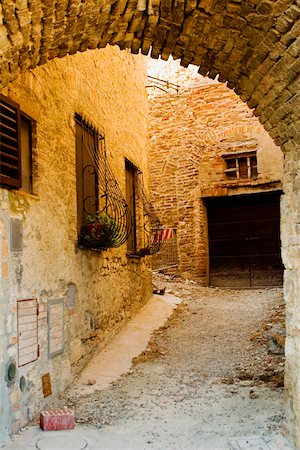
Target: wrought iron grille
point(147, 221)
point(105, 215)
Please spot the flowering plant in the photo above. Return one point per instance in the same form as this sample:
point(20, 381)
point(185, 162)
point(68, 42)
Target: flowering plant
point(99, 231)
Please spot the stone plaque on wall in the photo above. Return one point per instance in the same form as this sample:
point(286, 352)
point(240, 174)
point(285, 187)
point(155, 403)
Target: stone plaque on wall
point(71, 295)
point(55, 327)
point(27, 317)
point(16, 235)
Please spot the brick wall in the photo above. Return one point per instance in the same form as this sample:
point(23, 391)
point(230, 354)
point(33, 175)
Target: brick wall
point(189, 133)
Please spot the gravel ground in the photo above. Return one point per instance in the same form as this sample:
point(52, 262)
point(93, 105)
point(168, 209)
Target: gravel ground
point(206, 376)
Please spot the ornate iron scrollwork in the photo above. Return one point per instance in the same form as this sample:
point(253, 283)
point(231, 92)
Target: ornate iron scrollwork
point(105, 213)
point(148, 224)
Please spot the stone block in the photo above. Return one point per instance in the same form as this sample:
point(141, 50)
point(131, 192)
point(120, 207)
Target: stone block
point(54, 420)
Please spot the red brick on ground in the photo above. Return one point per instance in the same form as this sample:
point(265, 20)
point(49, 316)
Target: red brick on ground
point(57, 419)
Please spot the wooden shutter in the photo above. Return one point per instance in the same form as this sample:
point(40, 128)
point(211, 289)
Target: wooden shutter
point(131, 202)
point(10, 157)
point(86, 172)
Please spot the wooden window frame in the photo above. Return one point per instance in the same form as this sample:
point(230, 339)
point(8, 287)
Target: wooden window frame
point(15, 182)
point(236, 170)
point(32, 126)
point(131, 201)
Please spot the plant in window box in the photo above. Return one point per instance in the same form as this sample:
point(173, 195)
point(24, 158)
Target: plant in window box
point(99, 231)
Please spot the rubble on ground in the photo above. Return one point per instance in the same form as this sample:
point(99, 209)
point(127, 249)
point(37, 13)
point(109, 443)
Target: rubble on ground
point(216, 343)
point(267, 363)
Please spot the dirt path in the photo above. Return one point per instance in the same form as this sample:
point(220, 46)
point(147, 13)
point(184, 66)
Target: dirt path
point(206, 376)
point(223, 333)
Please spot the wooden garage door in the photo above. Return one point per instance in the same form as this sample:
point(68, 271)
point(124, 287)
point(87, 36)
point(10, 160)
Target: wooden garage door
point(244, 241)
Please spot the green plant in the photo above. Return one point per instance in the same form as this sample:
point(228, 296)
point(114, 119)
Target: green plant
point(99, 231)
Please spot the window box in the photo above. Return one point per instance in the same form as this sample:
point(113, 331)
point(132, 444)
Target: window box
point(99, 232)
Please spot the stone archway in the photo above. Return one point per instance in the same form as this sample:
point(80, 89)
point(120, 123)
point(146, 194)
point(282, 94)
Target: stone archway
point(254, 46)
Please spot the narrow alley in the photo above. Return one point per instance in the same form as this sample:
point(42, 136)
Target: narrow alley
point(211, 376)
point(140, 135)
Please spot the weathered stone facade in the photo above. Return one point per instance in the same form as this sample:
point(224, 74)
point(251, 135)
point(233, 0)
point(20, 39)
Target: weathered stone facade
point(290, 236)
point(110, 286)
point(253, 45)
point(189, 133)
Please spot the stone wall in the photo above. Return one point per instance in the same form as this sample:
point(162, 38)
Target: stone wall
point(108, 88)
point(4, 341)
point(290, 236)
point(252, 45)
point(189, 133)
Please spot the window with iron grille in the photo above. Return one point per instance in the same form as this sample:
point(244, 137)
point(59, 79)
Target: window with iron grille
point(87, 156)
point(102, 212)
point(241, 166)
point(15, 146)
point(131, 187)
point(144, 223)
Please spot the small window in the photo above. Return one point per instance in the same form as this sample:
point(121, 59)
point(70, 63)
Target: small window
point(15, 147)
point(131, 176)
point(241, 167)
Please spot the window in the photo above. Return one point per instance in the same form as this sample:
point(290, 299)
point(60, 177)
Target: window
point(241, 166)
point(131, 175)
point(143, 223)
point(102, 212)
point(87, 157)
point(15, 146)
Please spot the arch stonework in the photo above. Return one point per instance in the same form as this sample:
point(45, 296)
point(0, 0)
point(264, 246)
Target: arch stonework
point(253, 45)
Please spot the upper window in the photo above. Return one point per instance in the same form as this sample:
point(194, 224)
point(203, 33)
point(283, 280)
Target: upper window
point(241, 166)
point(15, 146)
